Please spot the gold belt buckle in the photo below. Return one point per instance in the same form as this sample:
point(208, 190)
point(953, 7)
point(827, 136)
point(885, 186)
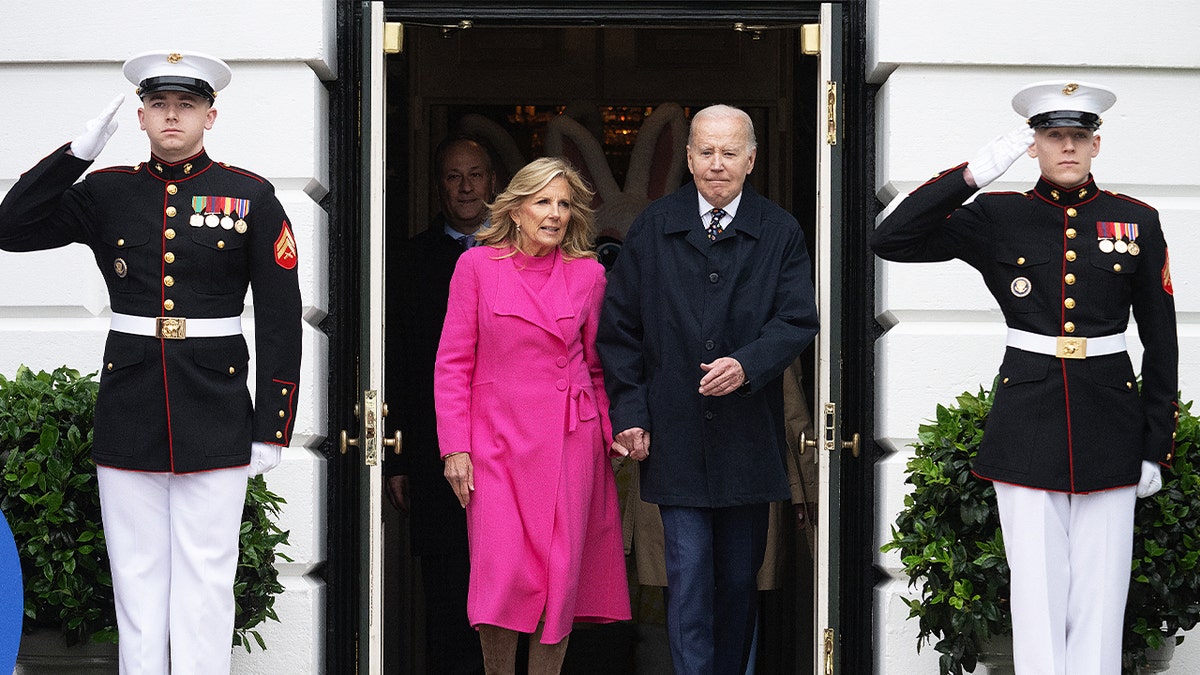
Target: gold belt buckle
point(170, 328)
point(1070, 347)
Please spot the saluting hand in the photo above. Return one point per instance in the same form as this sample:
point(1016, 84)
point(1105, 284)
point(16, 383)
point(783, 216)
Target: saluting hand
point(461, 474)
point(97, 132)
point(721, 377)
point(996, 157)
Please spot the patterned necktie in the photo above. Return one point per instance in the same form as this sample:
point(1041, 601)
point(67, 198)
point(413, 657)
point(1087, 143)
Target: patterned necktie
point(714, 225)
point(464, 240)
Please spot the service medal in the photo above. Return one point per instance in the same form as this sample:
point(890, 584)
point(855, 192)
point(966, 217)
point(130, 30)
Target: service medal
point(1120, 246)
point(212, 220)
point(1106, 246)
point(196, 220)
point(227, 223)
point(240, 226)
point(1021, 287)
point(1134, 249)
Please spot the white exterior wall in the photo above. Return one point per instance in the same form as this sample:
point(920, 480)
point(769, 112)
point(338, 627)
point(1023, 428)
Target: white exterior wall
point(947, 71)
point(60, 69)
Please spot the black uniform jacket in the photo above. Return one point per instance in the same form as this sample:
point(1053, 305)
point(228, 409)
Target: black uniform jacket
point(676, 300)
point(168, 404)
point(1069, 425)
point(417, 292)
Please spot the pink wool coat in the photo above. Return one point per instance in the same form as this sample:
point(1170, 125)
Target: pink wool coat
point(518, 385)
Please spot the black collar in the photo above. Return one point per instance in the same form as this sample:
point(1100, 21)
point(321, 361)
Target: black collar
point(1064, 197)
point(181, 170)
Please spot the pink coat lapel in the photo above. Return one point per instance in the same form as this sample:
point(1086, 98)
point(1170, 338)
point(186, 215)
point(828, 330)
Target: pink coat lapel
point(545, 309)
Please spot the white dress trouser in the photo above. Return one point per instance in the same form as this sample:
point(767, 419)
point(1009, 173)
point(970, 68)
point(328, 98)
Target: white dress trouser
point(1070, 559)
point(173, 548)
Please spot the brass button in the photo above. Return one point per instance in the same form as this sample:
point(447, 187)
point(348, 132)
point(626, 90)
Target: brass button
point(282, 414)
point(1129, 385)
point(1054, 195)
point(1116, 267)
point(170, 211)
point(1021, 260)
point(284, 391)
point(221, 244)
point(1172, 435)
point(1069, 303)
point(1071, 212)
point(169, 257)
point(278, 434)
point(169, 233)
point(232, 370)
point(1069, 327)
point(1006, 380)
point(168, 304)
point(1070, 279)
point(120, 242)
point(172, 189)
point(109, 367)
point(168, 281)
point(1170, 455)
point(1071, 233)
point(1070, 256)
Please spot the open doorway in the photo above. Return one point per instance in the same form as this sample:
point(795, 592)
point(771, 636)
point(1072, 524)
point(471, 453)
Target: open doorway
point(593, 94)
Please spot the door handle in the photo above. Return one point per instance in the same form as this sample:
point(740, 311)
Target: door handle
point(853, 444)
point(346, 440)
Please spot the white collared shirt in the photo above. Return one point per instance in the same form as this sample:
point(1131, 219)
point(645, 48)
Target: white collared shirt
point(730, 210)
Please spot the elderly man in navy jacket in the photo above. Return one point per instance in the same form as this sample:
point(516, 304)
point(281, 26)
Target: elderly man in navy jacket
point(709, 301)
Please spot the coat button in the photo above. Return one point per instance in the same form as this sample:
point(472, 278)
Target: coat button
point(232, 370)
point(1006, 380)
point(1170, 455)
point(1129, 385)
point(1071, 233)
point(278, 434)
point(1021, 260)
point(172, 189)
point(1071, 256)
point(169, 234)
point(120, 242)
point(283, 391)
point(709, 345)
point(168, 281)
point(1069, 327)
point(1070, 279)
point(168, 304)
point(221, 244)
point(169, 257)
point(1071, 213)
point(1116, 267)
point(708, 415)
point(561, 385)
point(282, 414)
point(170, 211)
point(1069, 303)
point(561, 362)
point(109, 367)
point(714, 277)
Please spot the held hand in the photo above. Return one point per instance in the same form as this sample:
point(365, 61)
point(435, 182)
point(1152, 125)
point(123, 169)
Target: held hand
point(1151, 481)
point(721, 377)
point(621, 450)
point(993, 159)
point(263, 458)
point(461, 474)
point(636, 441)
point(97, 132)
point(397, 492)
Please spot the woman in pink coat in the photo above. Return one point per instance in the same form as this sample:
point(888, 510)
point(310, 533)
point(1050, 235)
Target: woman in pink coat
point(523, 423)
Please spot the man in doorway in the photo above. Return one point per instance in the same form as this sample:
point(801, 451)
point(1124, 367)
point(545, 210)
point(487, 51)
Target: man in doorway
point(1070, 442)
point(178, 239)
point(418, 288)
point(708, 303)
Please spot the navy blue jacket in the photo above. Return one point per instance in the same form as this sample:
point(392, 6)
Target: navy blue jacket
point(1067, 425)
point(676, 300)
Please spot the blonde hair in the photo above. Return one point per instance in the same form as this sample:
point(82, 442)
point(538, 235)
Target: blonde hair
point(532, 178)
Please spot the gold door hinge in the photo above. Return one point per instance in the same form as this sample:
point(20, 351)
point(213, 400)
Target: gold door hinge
point(810, 39)
point(831, 96)
point(393, 37)
point(827, 650)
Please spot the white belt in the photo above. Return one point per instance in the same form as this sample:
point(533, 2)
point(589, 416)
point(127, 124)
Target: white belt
point(1066, 347)
point(175, 328)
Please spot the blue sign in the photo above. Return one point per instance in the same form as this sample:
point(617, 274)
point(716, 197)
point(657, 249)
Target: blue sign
point(12, 599)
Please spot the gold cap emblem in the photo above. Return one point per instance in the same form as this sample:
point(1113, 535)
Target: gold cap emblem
point(1070, 89)
point(176, 57)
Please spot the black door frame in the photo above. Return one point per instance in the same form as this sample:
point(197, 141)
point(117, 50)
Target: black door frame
point(341, 570)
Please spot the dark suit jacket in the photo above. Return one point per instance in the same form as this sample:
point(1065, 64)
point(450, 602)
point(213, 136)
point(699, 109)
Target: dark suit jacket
point(1058, 424)
point(676, 300)
point(418, 286)
point(176, 405)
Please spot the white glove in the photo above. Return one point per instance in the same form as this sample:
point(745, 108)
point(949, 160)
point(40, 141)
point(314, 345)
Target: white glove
point(1151, 481)
point(993, 159)
point(263, 458)
point(97, 132)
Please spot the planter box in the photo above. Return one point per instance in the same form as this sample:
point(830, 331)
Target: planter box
point(47, 653)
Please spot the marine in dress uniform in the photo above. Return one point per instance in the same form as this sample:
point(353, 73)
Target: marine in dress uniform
point(1070, 441)
point(178, 239)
